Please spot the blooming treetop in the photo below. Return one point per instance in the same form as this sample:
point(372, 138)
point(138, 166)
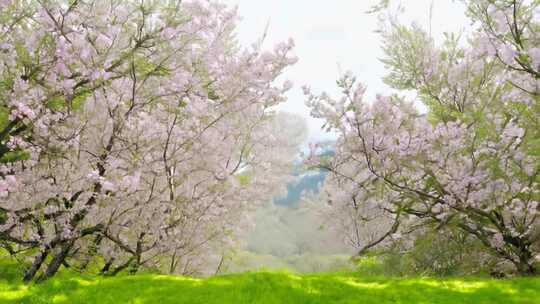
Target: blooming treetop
point(472, 162)
point(135, 130)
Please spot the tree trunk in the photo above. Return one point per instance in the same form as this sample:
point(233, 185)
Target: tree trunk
point(138, 252)
point(134, 268)
point(57, 261)
point(36, 265)
point(118, 269)
point(218, 269)
point(93, 252)
point(107, 266)
point(136, 265)
point(172, 266)
point(524, 264)
point(525, 268)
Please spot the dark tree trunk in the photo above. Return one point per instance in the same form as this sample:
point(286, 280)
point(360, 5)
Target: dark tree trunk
point(138, 252)
point(36, 265)
point(93, 252)
point(107, 267)
point(525, 267)
point(135, 266)
point(57, 261)
point(172, 266)
point(524, 264)
point(120, 268)
point(218, 269)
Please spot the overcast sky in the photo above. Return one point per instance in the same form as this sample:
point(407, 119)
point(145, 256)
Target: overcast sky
point(334, 36)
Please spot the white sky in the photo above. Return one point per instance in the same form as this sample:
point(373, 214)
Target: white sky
point(334, 35)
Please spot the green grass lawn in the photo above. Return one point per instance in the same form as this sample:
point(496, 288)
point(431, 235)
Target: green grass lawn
point(265, 288)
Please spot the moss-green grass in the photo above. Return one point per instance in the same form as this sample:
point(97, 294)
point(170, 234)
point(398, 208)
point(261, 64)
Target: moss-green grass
point(271, 287)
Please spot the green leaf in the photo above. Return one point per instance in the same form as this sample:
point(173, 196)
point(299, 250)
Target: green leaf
point(13, 156)
point(57, 103)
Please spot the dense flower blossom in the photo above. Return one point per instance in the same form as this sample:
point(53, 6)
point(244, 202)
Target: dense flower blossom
point(471, 162)
point(138, 133)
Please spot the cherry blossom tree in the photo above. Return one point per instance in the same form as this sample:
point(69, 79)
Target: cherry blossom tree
point(472, 162)
point(136, 133)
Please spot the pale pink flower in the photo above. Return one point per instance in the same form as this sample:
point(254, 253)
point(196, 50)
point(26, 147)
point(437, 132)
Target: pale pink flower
point(534, 55)
point(108, 186)
point(22, 111)
point(507, 54)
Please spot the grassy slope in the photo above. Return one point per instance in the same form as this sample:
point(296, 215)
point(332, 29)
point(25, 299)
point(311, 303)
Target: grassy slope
point(266, 288)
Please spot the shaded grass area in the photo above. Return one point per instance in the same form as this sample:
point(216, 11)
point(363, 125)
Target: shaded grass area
point(265, 288)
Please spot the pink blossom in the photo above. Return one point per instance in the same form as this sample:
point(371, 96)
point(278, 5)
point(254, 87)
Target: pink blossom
point(500, 20)
point(11, 181)
point(497, 240)
point(100, 74)
point(68, 84)
point(5, 3)
point(86, 54)
point(61, 50)
point(8, 184)
point(287, 85)
point(131, 182)
point(486, 46)
point(66, 233)
point(168, 33)
point(14, 142)
point(62, 69)
point(507, 54)
point(534, 55)
point(108, 186)
point(22, 111)
point(513, 131)
point(3, 190)
point(102, 41)
point(133, 158)
point(93, 175)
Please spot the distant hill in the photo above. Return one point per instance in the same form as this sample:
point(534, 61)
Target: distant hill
point(305, 181)
point(308, 182)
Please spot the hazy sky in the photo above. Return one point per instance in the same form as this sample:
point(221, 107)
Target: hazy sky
point(334, 36)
